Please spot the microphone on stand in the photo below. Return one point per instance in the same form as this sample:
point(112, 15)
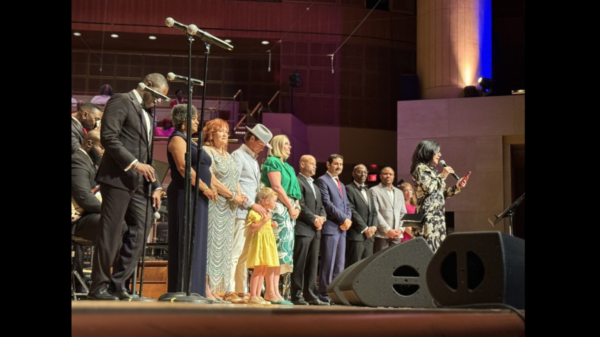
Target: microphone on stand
point(207, 37)
point(443, 162)
point(236, 94)
point(178, 78)
point(174, 24)
point(156, 94)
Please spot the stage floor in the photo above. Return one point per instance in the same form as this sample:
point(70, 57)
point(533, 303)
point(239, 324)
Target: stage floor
point(114, 318)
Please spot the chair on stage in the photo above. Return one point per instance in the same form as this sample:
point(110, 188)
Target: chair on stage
point(77, 241)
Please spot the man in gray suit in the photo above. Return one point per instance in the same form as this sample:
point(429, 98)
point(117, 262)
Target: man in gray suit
point(255, 141)
point(389, 202)
point(359, 238)
point(308, 237)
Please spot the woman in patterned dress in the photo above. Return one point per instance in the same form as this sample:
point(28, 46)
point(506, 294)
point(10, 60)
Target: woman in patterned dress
point(431, 190)
point(221, 213)
point(277, 174)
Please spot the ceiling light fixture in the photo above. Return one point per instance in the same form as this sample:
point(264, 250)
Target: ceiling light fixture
point(152, 37)
point(77, 34)
point(114, 35)
point(228, 40)
point(265, 42)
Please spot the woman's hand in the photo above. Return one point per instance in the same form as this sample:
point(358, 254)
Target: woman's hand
point(446, 171)
point(294, 213)
point(211, 194)
point(238, 199)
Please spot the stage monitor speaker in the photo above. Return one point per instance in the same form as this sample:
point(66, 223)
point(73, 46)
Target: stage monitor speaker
point(409, 87)
point(392, 277)
point(333, 289)
point(478, 268)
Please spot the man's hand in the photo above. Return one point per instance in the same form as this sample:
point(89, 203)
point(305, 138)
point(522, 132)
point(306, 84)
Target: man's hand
point(258, 208)
point(156, 194)
point(274, 224)
point(146, 170)
point(347, 223)
point(392, 233)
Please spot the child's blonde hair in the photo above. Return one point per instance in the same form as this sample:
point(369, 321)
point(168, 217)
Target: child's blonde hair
point(265, 192)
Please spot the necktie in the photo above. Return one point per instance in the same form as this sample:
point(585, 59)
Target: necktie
point(339, 185)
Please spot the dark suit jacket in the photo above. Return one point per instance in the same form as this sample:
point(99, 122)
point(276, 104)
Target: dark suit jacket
point(363, 216)
point(124, 138)
point(337, 207)
point(83, 172)
point(310, 206)
point(77, 135)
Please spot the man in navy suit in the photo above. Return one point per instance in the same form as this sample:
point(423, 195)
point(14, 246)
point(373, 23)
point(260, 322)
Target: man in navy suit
point(339, 215)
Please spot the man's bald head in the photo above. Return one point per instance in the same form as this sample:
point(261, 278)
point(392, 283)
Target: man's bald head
point(308, 165)
point(93, 146)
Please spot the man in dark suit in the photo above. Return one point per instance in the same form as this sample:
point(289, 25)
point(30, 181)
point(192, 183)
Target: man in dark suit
point(84, 120)
point(83, 174)
point(126, 177)
point(359, 238)
point(339, 215)
point(308, 237)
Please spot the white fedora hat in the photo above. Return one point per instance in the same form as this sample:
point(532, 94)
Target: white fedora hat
point(261, 132)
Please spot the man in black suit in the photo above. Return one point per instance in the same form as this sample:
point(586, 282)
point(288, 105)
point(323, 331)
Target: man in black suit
point(359, 238)
point(308, 237)
point(83, 198)
point(126, 177)
point(84, 120)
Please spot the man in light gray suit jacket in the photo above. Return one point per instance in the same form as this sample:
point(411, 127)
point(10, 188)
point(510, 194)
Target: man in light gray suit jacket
point(389, 202)
point(255, 141)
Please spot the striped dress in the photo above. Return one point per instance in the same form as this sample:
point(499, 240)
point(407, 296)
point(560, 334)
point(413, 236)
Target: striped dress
point(221, 219)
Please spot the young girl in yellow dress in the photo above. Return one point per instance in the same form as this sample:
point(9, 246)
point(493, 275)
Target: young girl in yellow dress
point(262, 249)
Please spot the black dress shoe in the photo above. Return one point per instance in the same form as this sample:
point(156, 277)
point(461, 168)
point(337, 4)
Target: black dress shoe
point(300, 302)
point(317, 302)
point(123, 295)
point(102, 294)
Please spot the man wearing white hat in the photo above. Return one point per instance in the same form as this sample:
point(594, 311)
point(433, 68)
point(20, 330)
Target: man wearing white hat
point(255, 141)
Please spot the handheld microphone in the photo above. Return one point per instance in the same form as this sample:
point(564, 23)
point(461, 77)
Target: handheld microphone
point(156, 94)
point(174, 24)
point(444, 165)
point(207, 37)
point(156, 214)
point(178, 78)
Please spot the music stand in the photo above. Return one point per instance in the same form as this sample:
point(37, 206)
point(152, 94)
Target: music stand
point(508, 213)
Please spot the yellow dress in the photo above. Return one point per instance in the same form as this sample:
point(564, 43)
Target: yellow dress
point(262, 250)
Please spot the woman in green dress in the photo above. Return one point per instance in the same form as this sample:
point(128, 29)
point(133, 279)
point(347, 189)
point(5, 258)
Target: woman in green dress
point(277, 174)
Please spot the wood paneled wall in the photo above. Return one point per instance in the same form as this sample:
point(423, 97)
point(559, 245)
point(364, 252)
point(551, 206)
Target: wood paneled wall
point(361, 92)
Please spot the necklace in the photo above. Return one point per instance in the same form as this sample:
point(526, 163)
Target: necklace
point(219, 151)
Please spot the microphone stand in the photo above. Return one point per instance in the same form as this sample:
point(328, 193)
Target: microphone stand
point(196, 187)
point(508, 213)
point(185, 248)
point(148, 202)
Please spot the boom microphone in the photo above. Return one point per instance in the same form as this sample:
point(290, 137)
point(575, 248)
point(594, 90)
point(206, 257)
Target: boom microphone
point(443, 162)
point(156, 94)
point(178, 78)
point(207, 37)
point(172, 23)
